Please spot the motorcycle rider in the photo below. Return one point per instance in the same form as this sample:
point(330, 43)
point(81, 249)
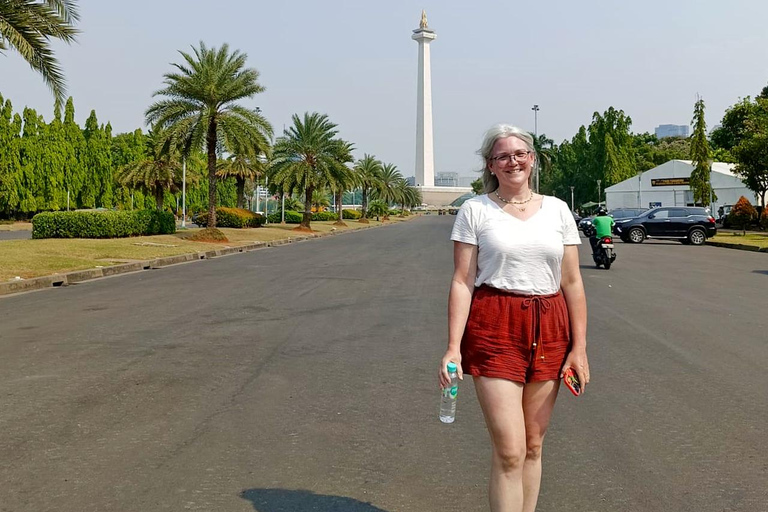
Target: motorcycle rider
point(603, 227)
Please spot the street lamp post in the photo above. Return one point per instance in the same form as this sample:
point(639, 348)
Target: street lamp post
point(535, 109)
point(598, 193)
point(573, 209)
point(639, 189)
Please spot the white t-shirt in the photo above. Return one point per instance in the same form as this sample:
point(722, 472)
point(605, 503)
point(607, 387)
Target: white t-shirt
point(514, 255)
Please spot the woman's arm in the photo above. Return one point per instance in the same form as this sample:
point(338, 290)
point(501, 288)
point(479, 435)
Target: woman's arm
point(575, 298)
point(459, 300)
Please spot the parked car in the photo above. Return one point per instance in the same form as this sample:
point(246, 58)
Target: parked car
point(690, 225)
point(576, 217)
point(618, 213)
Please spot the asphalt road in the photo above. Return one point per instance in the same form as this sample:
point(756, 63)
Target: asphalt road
point(302, 378)
point(24, 234)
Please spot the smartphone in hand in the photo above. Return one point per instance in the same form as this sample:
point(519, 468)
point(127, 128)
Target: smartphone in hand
point(572, 381)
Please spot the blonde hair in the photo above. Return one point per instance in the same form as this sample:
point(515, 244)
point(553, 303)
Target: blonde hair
point(502, 131)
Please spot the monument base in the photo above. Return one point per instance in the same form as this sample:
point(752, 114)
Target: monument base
point(441, 197)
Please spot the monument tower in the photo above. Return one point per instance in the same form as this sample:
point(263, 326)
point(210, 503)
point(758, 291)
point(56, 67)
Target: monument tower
point(425, 158)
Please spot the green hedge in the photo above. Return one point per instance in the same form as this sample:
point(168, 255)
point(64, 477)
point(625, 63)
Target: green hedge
point(320, 216)
point(291, 217)
point(232, 218)
point(350, 214)
point(102, 224)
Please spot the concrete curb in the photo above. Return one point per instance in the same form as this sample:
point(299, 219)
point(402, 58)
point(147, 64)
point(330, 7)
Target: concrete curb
point(741, 247)
point(79, 276)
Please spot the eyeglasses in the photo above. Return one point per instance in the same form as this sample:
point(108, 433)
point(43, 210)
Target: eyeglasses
point(519, 156)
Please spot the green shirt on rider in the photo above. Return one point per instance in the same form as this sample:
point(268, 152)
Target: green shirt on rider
point(603, 225)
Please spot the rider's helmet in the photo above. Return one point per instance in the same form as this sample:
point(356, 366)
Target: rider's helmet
point(602, 211)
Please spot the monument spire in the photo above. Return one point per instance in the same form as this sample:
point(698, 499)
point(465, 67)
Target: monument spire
point(425, 159)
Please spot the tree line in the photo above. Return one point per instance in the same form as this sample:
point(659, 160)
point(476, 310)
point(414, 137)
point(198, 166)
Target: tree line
point(607, 151)
point(198, 129)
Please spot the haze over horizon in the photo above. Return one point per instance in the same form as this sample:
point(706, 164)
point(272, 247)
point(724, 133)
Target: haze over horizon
point(357, 63)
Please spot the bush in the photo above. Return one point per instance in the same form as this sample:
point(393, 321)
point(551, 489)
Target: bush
point(102, 224)
point(206, 235)
point(377, 209)
point(320, 216)
point(291, 217)
point(232, 218)
point(350, 214)
point(764, 219)
point(742, 214)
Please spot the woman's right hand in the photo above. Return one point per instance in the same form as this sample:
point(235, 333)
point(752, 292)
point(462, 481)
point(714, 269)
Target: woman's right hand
point(449, 357)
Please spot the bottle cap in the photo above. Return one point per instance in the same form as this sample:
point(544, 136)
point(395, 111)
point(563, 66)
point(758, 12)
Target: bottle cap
point(452, 367)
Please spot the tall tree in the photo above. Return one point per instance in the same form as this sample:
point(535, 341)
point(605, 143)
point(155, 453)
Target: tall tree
point(201, 109)
point(74, 168)
point(97, 161)
point(367, 171)
point(158, 172)
point(28, 26)
point(610, 146)
point(386, 188)
point(244, 166)
point(700, 155)
point(343, 180)
point(751, 152)
point(305, 158)
point(10, 133)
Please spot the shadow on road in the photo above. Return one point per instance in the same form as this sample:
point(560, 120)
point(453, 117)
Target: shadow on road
point(284, 500)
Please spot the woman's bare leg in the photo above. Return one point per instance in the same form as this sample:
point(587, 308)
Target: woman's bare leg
point(502, 404)
point(538, 402)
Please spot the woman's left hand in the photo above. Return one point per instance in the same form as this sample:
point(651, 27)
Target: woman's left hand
point(577, 359)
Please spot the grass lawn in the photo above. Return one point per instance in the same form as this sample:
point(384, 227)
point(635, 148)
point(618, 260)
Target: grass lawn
point(35, 258)
point(751, 238)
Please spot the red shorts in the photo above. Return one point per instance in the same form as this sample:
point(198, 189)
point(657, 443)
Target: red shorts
point(522, 338)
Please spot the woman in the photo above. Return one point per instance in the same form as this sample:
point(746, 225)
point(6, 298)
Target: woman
point(517, 312)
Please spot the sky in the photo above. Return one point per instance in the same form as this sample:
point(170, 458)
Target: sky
point(355, 61)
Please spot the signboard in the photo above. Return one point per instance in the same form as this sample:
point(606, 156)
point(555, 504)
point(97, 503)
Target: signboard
point(654, 204)
point(670, 182)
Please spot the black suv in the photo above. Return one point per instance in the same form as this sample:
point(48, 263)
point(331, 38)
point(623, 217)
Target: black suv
point(690, 225)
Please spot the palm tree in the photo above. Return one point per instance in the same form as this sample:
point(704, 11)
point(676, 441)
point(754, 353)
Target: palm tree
point(28, 27)
point(378, 208)
point(407, 195)
point(320, 199)
point(200, 108)
point(244, 167)
point(305, 158)
point(158, 172)
point(345, 180)
point(545, 152)
point(367, 171)
point(386, 188)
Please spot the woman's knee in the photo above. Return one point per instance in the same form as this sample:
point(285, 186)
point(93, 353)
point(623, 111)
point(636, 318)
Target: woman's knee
point(511, 458)
point(533, 448)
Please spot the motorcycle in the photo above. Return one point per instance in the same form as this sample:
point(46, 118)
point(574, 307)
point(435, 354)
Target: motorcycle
point(604, 254)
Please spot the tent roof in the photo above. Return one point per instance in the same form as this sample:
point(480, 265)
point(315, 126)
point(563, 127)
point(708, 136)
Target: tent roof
point(460, 200)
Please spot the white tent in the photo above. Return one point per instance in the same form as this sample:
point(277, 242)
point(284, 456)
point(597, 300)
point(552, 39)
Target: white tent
point(667, 185)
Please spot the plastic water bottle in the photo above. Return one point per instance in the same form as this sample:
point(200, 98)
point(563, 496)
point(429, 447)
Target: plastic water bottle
point(448, 396)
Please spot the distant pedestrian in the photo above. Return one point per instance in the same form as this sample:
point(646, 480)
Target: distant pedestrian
point(517, 311)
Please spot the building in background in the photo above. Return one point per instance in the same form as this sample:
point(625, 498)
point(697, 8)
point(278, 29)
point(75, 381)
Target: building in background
point(671, 130)
point(447, 179)
point(668, 185)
